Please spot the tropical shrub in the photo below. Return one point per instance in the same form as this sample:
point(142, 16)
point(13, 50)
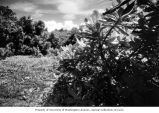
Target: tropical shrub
point(119, 65)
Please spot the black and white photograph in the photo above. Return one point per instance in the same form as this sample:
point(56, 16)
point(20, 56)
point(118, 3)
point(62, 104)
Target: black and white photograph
point(79, 53)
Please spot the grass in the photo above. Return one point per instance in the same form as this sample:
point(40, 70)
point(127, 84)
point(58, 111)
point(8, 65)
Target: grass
point(26, 81)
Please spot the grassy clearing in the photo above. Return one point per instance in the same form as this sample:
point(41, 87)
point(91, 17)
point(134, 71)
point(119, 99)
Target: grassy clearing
point(26, 81)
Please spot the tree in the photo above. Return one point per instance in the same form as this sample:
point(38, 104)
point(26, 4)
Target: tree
point(7, 13)
point(39, 27)
point(53, 40)
point(10, 31)
point(27, 25)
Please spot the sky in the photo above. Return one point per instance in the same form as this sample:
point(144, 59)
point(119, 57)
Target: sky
point(57, 14)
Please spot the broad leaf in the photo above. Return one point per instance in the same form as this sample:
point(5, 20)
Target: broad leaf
point(128, 9)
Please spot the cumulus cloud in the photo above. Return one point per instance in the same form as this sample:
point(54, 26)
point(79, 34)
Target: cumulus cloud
point(71, 8)
point(37, 14)
point(52, 25)
point(69, 25)
point(32, 8)
point(45, 1)
point(23, 6)
point(69, 17)
point(59, 10)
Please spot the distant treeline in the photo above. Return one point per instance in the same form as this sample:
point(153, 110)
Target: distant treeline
point(24, 36)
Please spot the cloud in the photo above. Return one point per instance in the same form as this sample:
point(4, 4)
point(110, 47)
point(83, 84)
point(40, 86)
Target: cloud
point(27, 7)
point(52, 25)
point(46, 2)
point(37, 14)
point(69, 25)
point(23, 6)
point(70, 8)
point(41, 12)
point(32, 9)
point(69, 17)
point(58, 10)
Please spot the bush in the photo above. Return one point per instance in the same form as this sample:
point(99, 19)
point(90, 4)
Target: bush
point(36, 52)
point(2, 53)
point(53, 52)
point(113, 70)
point(26, 50)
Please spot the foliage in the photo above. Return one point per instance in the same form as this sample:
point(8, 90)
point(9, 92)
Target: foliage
point(27, 25)
point(53, 40)
point(119, 65)
point(61, 36)
point(24, 36)
point(53, 52)
point(2, 52)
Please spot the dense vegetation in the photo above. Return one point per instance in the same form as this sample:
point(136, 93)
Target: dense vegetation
point(118, 66)
point(112, 60)
point(24, 36)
